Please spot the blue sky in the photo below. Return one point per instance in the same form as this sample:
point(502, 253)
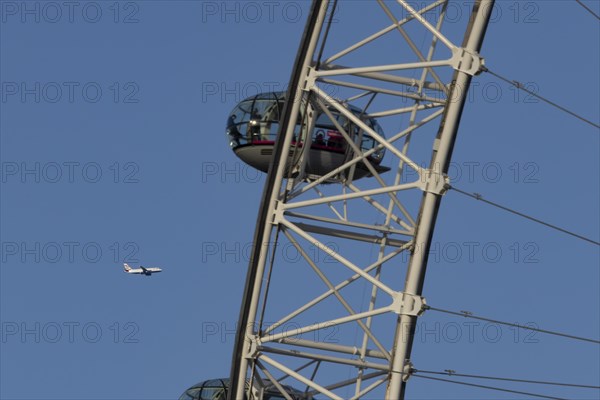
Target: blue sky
point(113, 149)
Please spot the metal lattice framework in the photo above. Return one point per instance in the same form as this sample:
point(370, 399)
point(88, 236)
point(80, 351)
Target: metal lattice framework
point(336, 317)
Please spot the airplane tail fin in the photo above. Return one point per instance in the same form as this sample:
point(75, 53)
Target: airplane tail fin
point(126, 267)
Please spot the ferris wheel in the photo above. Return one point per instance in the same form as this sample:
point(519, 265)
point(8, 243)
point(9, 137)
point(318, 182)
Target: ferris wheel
point(325, 187)
point(357, 153)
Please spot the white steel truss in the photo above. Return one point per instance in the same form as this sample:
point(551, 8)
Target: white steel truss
point(335, 318)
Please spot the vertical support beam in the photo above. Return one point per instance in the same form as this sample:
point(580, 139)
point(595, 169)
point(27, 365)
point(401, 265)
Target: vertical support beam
point(440, 162)
point(252, 290)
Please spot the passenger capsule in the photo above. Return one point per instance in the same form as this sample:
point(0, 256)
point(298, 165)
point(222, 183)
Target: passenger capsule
point(253, 125)
point(217, 389)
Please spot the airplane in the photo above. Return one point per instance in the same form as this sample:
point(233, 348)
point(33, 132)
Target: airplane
point(140, 270)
